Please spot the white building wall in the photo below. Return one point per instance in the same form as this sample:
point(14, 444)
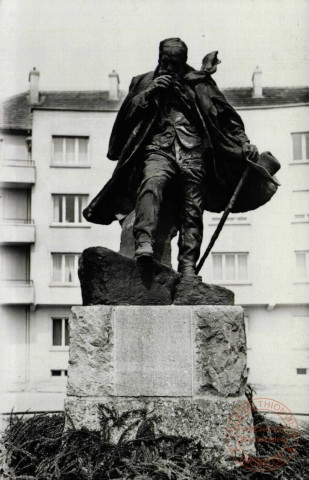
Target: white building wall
point(67, 180)
point(273, 358)
point(278, 346)
point(13, 347)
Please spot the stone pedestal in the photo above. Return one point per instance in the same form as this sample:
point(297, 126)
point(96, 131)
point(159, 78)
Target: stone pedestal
point(184, 365)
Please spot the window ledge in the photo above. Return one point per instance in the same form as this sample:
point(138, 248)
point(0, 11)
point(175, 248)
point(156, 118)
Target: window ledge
point(69, 225)
point(299, 162)
point(301, 282)
point(227, 224)
point(52, 165)
point(59, 349)
point(53, 386)
point(61, 285)
point(58, 381)
point(296, 222)
point(237, 284)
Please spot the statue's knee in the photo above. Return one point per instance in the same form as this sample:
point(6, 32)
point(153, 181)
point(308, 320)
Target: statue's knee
point(155, 183)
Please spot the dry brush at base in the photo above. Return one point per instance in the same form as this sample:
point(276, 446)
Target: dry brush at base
point(40, 449)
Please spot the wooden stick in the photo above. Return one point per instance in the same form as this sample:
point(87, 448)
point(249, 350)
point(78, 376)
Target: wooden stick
point(223, 219)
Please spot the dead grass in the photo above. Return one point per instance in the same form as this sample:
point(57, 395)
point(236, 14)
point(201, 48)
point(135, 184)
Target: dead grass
point(40, 449)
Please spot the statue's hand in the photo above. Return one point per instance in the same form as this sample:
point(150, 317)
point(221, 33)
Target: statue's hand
point(161, 82)
point(250, 151)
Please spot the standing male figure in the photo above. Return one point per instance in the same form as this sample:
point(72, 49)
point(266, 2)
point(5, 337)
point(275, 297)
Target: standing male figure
point(176, 131)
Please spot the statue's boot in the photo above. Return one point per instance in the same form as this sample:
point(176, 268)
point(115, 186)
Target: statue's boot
point(143, 249)
point(189, 244)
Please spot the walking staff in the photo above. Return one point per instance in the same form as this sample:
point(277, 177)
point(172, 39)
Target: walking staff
point(223, 219)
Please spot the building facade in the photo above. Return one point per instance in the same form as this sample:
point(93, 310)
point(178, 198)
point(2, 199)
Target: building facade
point(53, 147)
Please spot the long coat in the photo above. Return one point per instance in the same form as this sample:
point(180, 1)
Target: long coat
point(223, 138)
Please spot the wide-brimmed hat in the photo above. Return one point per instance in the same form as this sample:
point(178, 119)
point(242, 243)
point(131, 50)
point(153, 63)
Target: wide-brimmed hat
point(267, 165)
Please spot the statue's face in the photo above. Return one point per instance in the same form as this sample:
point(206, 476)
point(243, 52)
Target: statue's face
point(172, 65)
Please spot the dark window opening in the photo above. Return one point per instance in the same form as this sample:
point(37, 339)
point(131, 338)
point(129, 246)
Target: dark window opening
point(301, 371)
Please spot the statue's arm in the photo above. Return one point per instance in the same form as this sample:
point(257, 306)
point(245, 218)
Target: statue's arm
point(133, 110)
point(138, 96)
point(129, 114)
point(141, 94)
point(231, 123)
point(234, 127)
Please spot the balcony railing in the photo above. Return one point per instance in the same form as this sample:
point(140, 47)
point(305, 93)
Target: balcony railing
point(17, 231)
point(17, 172)
point(17, 292)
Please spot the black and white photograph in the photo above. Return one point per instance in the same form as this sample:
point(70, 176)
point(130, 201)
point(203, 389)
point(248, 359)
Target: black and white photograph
point(154, 231)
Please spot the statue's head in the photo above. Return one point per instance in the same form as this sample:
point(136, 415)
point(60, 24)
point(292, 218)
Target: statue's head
point(173, 53)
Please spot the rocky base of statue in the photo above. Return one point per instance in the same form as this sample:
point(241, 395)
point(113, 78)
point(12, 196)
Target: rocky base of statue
point(192, 291)
point(182, 367)
point(108, 278)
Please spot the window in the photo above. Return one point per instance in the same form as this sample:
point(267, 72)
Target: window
point(301, 218)
point(300, 203)
point(64, 268)
point(230, 267)
point(69, 208)
point(70, 150)
point(60, 335)
point(233, 219)
point(302, 265)
point(300, 146)
point(301, 371)
point(59, 373)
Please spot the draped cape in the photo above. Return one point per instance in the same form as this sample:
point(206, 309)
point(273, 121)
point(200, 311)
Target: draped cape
point(223, 135)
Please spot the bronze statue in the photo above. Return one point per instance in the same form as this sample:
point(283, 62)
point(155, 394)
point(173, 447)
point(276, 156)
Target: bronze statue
point(178, 140)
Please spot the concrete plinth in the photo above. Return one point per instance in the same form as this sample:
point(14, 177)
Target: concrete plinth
point(185, 366)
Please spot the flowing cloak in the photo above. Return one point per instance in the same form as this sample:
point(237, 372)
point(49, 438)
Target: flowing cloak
point(223, 137)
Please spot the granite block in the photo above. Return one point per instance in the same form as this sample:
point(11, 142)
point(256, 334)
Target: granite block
point(219, 350)
point(91, 365)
